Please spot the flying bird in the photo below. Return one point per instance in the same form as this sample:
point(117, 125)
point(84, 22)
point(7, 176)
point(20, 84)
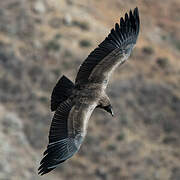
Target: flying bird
point(74, 103)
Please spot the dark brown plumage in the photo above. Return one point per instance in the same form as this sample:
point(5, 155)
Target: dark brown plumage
point(74, 103)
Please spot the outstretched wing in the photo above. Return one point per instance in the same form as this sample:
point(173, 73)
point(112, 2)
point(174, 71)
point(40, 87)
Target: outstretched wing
point(67, 131)
point(114, 50)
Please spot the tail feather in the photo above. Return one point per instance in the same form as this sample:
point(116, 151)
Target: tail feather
point(61, 92)
point(57, 153)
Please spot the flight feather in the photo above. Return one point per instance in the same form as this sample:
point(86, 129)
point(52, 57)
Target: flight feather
point(125, 33)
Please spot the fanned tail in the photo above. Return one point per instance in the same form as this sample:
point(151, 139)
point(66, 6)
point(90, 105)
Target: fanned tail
point(61, 92)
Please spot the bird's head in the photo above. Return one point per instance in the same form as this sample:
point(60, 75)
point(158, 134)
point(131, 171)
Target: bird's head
point(105, 104)
point(108, 108)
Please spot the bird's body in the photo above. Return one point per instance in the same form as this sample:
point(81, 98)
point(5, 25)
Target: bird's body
point(84, 99)
point(74, 103)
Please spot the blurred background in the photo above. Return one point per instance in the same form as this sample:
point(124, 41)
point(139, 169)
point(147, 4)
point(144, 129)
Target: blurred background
point(40, 40)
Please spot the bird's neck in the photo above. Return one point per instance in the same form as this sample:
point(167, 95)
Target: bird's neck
point(104, 100)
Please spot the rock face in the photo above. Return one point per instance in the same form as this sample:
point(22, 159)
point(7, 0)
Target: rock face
point(16, 154)
point(18, 158)
point(42, 40)
point(39, 7)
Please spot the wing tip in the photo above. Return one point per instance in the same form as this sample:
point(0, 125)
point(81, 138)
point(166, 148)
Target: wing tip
point(133, 18)
point(57, 153)
point(136, 15)
point(127, 30)
point(136, 11)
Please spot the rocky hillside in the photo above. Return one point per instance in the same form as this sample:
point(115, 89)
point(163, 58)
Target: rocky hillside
point(40, 40)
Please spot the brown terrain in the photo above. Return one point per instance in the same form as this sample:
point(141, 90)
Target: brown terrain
point(40, 40)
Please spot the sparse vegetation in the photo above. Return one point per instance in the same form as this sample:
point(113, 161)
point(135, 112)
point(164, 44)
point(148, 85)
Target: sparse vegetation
point(44, 99)
point(81, 24)
point(148, 50)
point(58, 36)
point(68, 54)
point(85, 43)
point(162, 62)
point(111, 147)
point(53, 45)
point(170, 140)
point(120, 137)
point(168, 127)
point(177, 44)
point(57, 72)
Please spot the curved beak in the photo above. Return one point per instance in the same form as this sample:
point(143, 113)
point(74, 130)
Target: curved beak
point(109, 110)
